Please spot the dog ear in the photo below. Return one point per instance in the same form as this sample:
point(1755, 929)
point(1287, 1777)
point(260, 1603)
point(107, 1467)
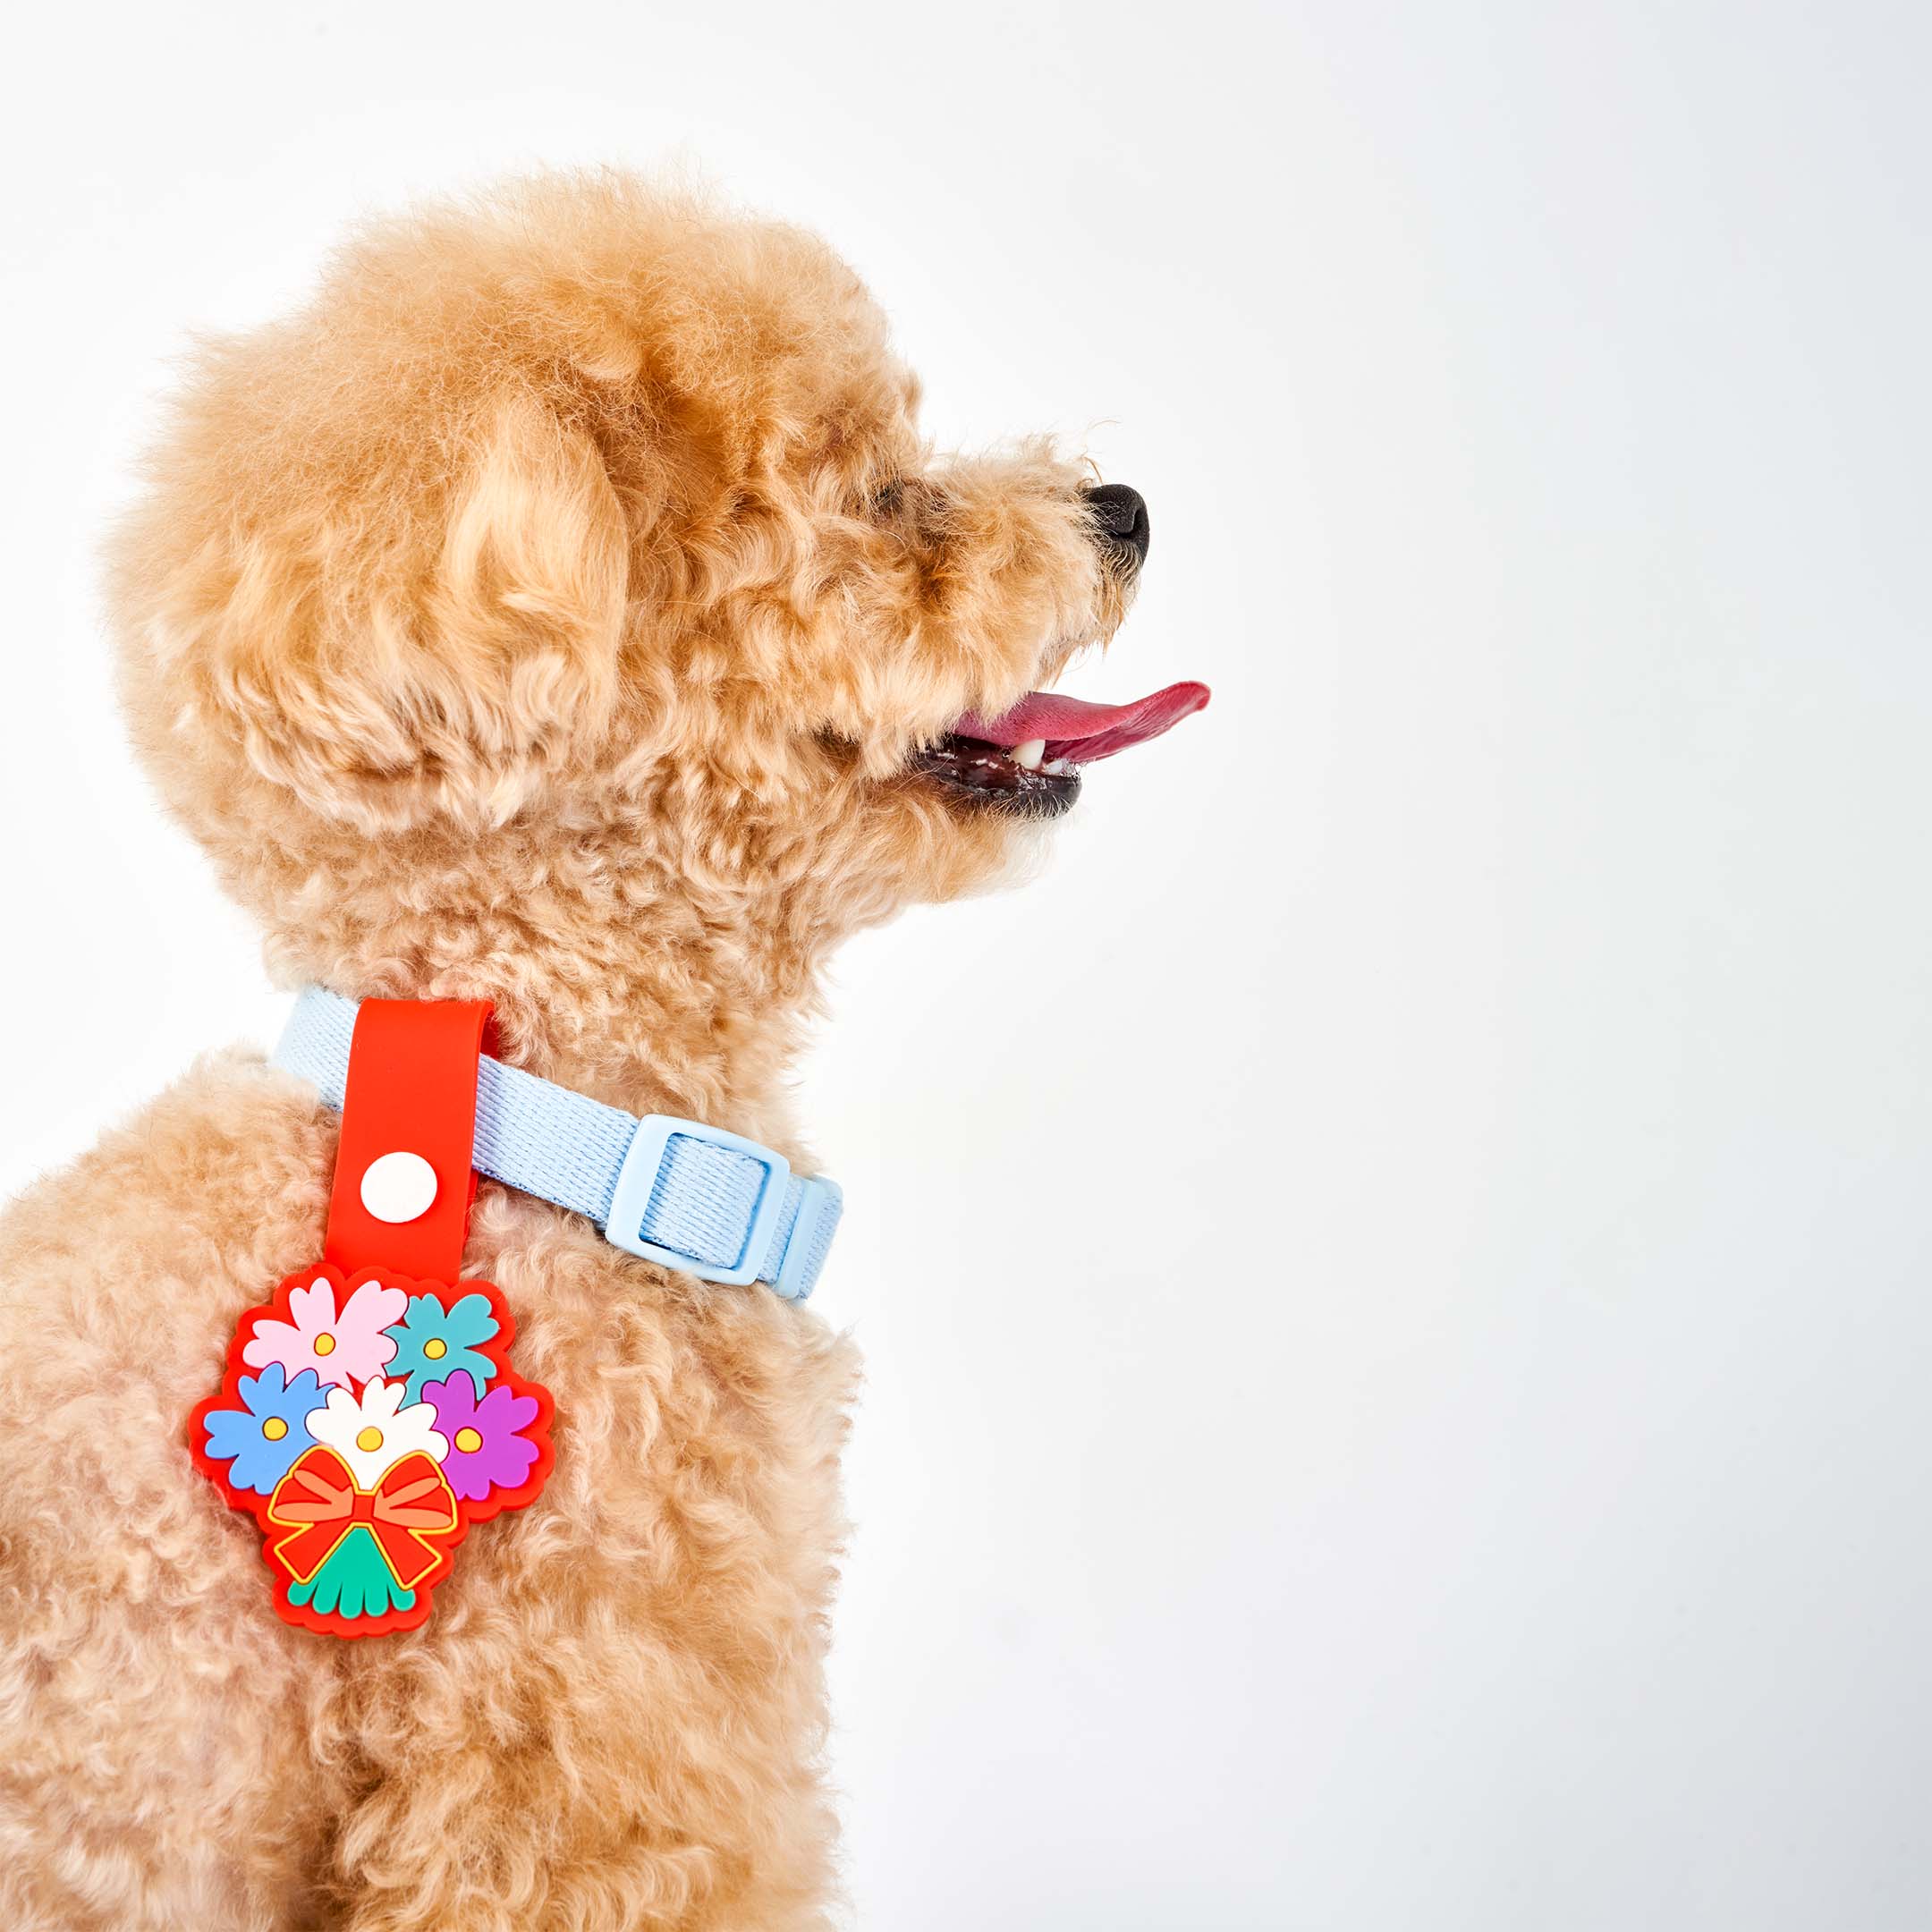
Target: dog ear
point(387, 647)
point(532, 576)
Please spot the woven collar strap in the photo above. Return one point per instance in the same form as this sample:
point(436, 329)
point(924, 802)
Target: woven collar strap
point(676, 1191)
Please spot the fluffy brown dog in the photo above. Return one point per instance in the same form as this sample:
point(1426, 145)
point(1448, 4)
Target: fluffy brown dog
point(562, 610)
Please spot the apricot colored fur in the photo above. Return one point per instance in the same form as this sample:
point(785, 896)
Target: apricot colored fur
point(547, 612)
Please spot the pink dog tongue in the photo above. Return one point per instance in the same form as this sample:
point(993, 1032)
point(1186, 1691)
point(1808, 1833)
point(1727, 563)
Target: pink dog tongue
point(1082, 732)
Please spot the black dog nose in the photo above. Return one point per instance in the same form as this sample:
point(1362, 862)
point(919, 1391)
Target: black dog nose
point(1120, 516)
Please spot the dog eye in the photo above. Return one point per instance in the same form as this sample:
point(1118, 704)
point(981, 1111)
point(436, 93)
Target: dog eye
point(887, 498)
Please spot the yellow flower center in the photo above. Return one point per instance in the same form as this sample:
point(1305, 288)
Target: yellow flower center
point(370, 1439)
point(436, 1348)
point(275, 1428)
point(469, 1441)
point(325, 1345)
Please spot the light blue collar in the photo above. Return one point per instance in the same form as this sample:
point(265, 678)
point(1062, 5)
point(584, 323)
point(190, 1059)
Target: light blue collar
point(676, 1191)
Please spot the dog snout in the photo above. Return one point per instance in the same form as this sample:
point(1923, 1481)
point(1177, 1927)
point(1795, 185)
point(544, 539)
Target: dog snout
point(1119, 514)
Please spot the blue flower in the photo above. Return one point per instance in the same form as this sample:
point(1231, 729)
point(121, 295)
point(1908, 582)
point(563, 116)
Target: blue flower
point(262, 1438)
point(434, 1341)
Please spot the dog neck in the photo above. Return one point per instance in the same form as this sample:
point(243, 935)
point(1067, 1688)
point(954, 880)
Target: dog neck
point(606, 979)
point(664, 1037)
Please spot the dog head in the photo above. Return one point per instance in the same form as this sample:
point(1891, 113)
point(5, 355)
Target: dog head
point(582, 539)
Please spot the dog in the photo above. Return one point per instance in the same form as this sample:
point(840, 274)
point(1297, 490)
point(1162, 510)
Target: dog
point(564, 611)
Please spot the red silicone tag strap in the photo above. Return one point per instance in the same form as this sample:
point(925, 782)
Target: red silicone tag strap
point(411, 1090)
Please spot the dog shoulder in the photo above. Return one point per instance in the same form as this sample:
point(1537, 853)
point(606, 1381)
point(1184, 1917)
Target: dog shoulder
point(122, 1275)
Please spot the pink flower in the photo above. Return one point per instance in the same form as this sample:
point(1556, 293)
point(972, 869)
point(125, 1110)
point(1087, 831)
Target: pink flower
point(340, 1348)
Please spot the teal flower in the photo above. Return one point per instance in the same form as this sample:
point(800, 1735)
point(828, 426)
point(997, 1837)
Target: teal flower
point(354, 1581)
point(434, 1341)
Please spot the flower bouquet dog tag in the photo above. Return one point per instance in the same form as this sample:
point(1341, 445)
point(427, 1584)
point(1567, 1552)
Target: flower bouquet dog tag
point(369, 1416)
point(368, 1423)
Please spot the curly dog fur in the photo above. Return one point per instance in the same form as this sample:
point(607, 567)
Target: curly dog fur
point(548, 614)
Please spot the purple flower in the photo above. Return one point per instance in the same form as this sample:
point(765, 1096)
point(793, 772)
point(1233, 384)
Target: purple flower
point(485, 1451)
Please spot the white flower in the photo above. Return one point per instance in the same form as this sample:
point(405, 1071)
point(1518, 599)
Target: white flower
point(375, 1433)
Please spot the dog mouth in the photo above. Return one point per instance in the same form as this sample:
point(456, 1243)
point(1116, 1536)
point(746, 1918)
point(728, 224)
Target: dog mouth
point(1027, 762)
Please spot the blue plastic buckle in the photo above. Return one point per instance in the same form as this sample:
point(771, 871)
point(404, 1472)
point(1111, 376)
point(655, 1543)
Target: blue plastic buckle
point(637, 1180)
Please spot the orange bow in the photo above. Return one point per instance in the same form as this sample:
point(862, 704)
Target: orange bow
point(409, 1505)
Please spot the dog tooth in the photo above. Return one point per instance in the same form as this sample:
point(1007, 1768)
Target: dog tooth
point(1057, 767)
point(1029, 754)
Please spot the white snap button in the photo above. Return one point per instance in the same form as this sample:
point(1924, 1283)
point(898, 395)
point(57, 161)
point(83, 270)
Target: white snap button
point(398, 1187)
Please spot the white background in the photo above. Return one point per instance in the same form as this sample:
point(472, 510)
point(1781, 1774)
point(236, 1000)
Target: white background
point(1395, 1275)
